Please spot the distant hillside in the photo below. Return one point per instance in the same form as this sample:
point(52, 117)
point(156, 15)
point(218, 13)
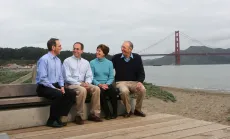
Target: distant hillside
point(30, 55)
point(194, 60)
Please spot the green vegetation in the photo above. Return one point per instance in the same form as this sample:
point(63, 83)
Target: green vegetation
point(28, 81)
point(155, 91)
point(10, 76)
point(228, 118)
point(30, 55)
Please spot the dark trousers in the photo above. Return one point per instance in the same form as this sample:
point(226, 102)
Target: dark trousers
point(61, 103)
point(112, 95)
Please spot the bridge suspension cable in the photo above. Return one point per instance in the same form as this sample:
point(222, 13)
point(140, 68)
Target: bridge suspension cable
point(192, 39)
point(163, 39)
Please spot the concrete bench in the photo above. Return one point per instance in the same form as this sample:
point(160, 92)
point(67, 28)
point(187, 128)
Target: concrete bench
point(20, 107)
point(18, 96)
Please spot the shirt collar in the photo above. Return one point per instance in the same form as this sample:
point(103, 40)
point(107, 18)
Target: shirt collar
point(76, 58)
point(131, 56)
point(51, 55)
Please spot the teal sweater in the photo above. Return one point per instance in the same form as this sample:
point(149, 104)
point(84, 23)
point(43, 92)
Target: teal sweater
point(102, 71)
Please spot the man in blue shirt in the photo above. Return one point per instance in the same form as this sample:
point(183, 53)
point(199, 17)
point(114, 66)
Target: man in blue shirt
point(51, 84)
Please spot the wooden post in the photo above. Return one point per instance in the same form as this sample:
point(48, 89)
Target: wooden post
point(34, 73)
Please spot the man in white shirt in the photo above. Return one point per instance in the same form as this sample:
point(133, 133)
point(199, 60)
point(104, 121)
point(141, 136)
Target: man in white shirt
point(78, 76)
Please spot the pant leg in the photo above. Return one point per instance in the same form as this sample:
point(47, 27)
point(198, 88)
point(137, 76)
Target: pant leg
point(140, 94)
point(54, 95)
point(104, 102)
point(124, 93)
point(67, 102)
point(81, 93)
point(113, 98)
point(95, 100)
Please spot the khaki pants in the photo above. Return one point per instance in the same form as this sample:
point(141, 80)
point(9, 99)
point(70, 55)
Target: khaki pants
point(127, 87)
point(81, 94)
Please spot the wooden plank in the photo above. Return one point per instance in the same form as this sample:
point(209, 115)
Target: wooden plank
point(225, 138)
point(95, 127)
point(101, 124)
point(189, 132)
point(22, 100)
point(120, 119)
point(143, 131)
point(218, 134)
point(13, 90)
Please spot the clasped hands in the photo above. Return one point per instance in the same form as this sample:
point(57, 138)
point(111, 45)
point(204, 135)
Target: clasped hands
point(103, 86)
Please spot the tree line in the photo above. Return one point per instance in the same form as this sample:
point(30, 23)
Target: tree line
point(30, 55)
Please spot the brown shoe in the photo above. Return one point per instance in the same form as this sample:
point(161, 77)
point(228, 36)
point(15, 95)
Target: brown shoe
point(139, 113)
point(94, 118)
point(126, 115)
point(78, 120)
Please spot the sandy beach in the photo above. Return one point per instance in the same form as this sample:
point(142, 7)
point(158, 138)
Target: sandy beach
point(205, 105)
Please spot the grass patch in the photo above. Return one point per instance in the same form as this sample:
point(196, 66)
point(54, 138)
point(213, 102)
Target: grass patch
point(28, 81)
point(228, 118)
point(10, 76)
point(155, 91)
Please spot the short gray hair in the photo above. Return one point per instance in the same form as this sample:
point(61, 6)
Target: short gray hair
point(130, 44)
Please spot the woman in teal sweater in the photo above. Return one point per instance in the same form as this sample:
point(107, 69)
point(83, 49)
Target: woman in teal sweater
point(103, 76)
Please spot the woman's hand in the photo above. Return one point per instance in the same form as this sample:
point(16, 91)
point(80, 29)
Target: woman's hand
point(104, 86)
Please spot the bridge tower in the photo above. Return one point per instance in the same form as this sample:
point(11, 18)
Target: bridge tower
point(177, 48)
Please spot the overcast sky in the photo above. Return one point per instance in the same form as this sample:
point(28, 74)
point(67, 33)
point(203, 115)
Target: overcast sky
point(144, 22)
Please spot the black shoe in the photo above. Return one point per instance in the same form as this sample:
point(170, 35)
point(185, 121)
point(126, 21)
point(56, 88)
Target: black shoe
point(94, 118)
point(139, 113)
point(126, 115)
point(62, 123)
point(114, 117)
point(54, 123)
point(108, 117)
point(78, 120)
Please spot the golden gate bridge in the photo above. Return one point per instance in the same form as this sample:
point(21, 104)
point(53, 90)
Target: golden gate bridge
point(177, 52)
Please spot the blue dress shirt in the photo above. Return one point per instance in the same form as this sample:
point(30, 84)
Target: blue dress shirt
point(127, 59)
point(49, 71)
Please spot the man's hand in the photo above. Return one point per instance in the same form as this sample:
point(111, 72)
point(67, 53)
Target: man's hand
point(139, 85)
point(62, 90)
point(86, 85)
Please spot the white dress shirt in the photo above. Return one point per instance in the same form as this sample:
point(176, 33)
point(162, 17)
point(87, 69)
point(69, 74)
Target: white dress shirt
point(76, 70)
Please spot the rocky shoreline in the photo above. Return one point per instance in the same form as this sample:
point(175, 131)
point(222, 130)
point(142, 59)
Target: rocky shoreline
point(205, 105)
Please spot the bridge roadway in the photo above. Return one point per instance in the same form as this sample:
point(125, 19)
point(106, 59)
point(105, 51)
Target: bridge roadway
point(189, 54)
